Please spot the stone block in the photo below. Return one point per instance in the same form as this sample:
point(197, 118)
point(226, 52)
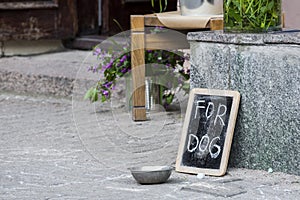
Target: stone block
point(265, 69)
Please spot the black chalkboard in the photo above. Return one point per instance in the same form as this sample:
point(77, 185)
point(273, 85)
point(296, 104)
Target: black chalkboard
point(208, 131)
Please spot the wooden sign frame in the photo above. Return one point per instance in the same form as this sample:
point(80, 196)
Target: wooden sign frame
point(206, 146)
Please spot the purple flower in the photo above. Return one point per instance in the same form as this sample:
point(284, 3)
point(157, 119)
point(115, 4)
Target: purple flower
point(105, 93)
point(123, 59)
point(107, 84)
point(124, 70)
point(109, 65)
point(93, 68)
point(97, 52)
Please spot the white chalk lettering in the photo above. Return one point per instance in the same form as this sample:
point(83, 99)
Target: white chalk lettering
point(208, 143)
point(220, 115)
point(204, 145)
point(210, 109)
point(207, 109)
point(214, 155)
point(198, 107)
point(205, 137)
point(192, 136)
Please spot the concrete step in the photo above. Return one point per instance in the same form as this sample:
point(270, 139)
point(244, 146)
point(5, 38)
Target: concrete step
point(48, 74)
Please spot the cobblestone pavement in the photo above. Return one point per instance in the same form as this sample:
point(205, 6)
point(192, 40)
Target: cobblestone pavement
point(54, 148)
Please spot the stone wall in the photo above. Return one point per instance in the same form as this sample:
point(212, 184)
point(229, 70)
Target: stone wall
point(265, 69)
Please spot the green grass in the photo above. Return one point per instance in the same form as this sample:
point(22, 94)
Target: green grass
point(252, 15)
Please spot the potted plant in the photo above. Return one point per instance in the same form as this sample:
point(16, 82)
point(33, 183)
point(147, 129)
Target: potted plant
point(201, 7)
point(194, 7)
point(252, 15)
point(115, 62)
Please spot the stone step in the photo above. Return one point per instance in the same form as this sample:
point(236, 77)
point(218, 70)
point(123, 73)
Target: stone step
point(47, 74)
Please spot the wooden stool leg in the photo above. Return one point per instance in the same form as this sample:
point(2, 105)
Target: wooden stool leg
point(216, 24)
point(138, 67)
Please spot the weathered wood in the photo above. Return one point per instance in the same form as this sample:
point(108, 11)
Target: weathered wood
point(34, 23)
point(87, 14)
point(105, 24)
point(215, 24)
point(138, 68)
point(139, 114)
point(152, 20)
point(137, 23)
point(283, 20)
point(28, 5)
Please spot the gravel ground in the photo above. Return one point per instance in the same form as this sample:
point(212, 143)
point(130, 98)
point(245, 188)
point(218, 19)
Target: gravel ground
point(52, 148)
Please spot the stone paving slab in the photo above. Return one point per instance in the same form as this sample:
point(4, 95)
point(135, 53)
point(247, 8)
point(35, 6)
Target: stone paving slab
point(55, 148)
point(52, 148)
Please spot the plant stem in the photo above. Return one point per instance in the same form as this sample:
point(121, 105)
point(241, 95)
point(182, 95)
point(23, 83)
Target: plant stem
point(249, 6)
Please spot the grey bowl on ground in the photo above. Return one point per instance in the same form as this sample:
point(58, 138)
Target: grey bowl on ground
point(151, 174)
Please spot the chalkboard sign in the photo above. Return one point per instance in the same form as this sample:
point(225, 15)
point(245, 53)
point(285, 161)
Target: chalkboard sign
point(207, 131)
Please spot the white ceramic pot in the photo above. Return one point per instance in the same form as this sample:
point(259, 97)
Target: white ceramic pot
point(201, 7)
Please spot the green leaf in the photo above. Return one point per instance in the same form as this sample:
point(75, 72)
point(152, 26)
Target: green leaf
point(237, 17)
point(166, 4)
point(186, 86)
point(103, 98)
point(152, 3)
point(270, 5)
point(263, 9)
point(92, 94)
point(160, 6)
point(95, 95)
point(89, 93)
point(169, 99)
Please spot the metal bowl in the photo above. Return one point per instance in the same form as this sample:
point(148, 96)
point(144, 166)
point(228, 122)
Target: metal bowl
point(151, 174)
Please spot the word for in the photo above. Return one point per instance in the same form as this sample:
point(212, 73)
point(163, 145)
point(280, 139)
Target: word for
point(210, 109)
point(203, 144)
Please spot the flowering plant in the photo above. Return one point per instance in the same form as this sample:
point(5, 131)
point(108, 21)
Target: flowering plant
point(114, 65)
